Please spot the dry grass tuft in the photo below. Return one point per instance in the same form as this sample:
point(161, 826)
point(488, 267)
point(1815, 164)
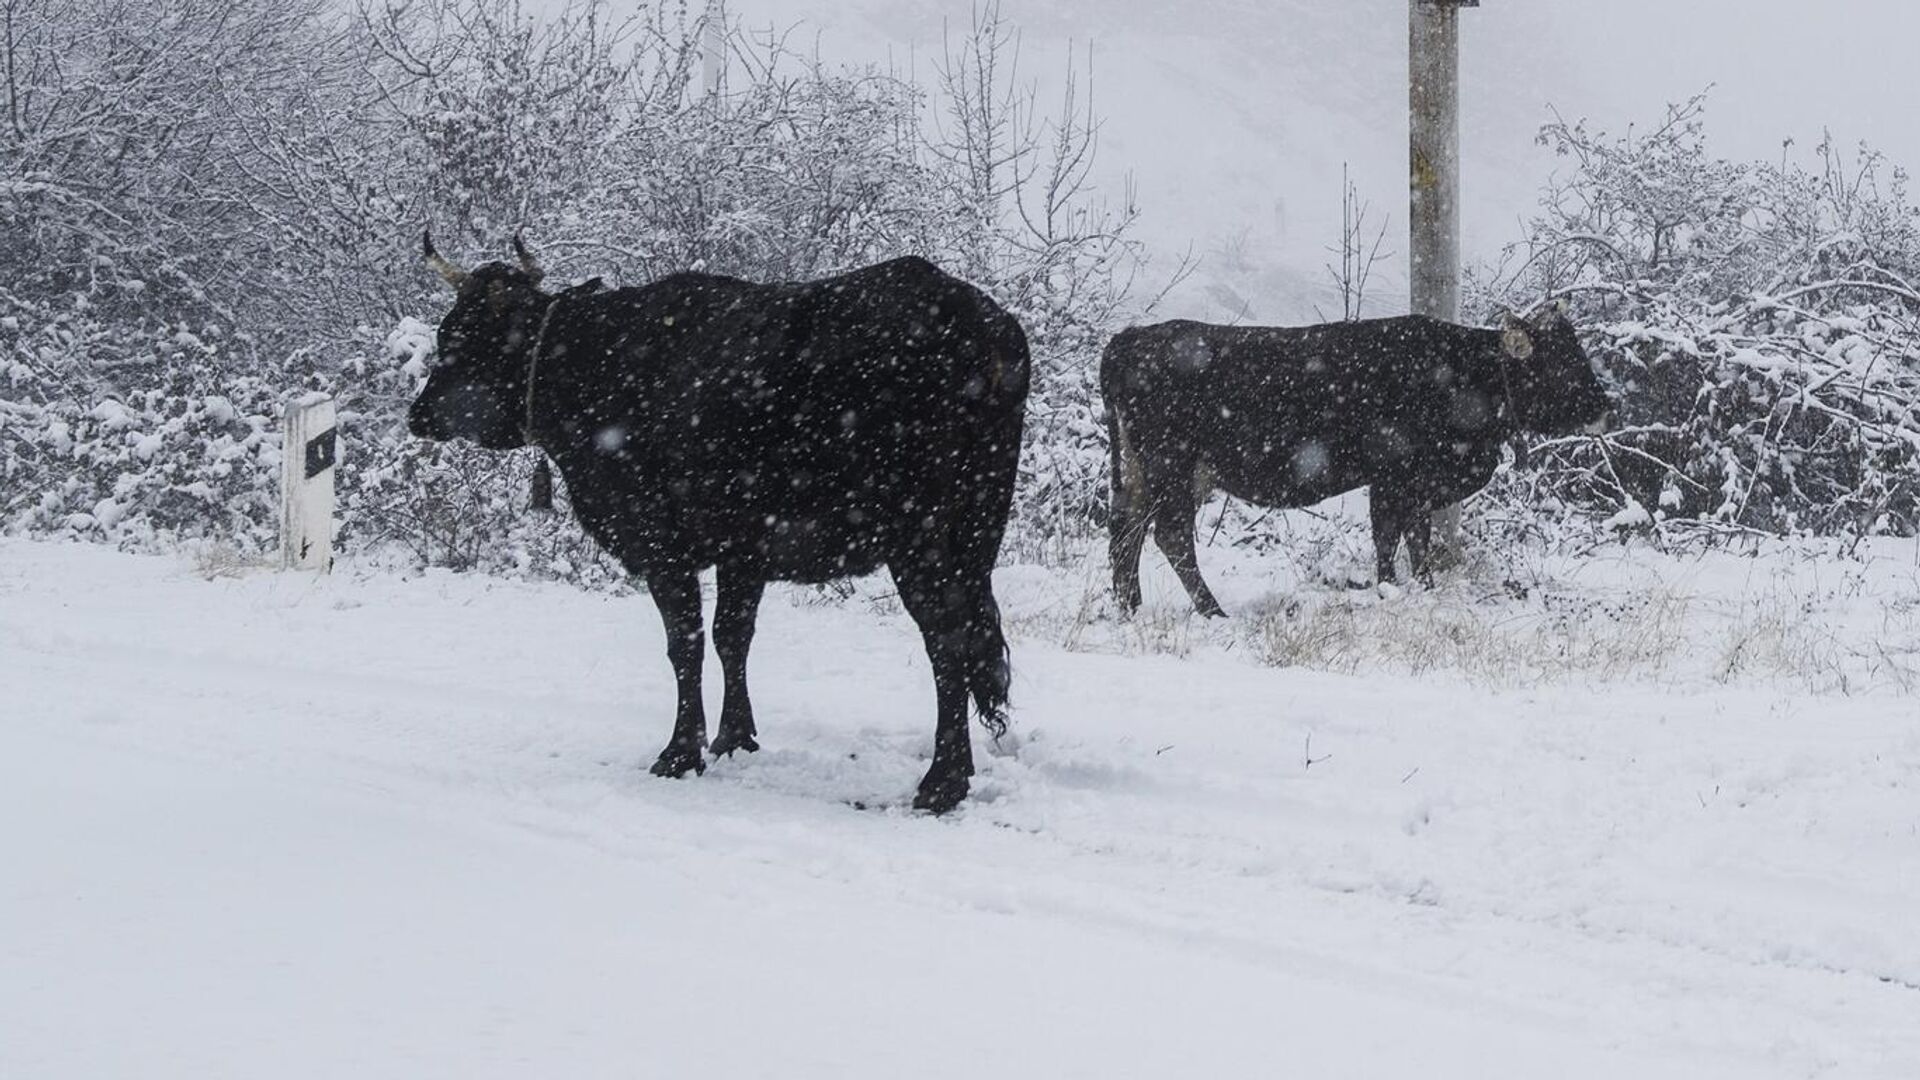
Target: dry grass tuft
point(215, 561)
point(1489, 643)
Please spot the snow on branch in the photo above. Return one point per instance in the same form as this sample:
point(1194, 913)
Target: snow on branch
point(1757, 321)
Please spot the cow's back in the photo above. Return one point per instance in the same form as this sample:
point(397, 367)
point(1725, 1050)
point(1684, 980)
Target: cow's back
point(801, 425)
point(877, 383)
point(1290, 415)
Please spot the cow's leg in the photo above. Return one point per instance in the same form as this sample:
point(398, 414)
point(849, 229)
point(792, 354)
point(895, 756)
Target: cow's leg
point(1387, 508)
point(1418, 526)
point(941, 606)
point(733, 618)
point(677, 595)
point(1174, 507)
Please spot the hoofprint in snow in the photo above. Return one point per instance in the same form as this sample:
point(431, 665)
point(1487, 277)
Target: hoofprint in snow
point(385, 825)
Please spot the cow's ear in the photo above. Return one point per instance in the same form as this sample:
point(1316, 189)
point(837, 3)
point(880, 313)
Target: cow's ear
point(1516, 338)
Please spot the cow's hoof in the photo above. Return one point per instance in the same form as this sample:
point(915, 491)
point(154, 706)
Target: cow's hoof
point(1211, 610)
point(728, 741)
point(677, 761)
point(939, 794)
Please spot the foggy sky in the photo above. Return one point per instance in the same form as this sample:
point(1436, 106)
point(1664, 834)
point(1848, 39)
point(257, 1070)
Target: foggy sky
point(1235, 117)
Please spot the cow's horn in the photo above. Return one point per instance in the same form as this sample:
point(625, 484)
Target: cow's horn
point(455, 276)
point(1547, 310)
point(526, 260)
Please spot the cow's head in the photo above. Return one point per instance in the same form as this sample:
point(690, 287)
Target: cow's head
point(477, 389)
point(1555, 389)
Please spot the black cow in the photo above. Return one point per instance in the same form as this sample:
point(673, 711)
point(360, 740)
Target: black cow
point(1413, 408)
point(799, 432)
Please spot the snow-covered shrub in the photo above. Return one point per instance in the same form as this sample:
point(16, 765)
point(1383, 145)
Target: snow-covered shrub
point(171, 457)
point(172, 266)
point(1758, 321)
point(126, 172)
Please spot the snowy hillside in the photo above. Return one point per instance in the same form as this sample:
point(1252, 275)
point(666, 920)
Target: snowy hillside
point(262, 825)
point(1235, 117)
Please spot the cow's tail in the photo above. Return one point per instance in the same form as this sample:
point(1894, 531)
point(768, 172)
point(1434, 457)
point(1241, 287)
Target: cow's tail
point(1127, 510)
point(1127, 490)
point(989, 666)
point(1128, 486)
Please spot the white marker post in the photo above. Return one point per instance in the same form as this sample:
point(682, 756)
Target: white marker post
point(308, 456)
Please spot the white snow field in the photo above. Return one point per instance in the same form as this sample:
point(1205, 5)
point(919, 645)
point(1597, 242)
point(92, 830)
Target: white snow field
point(378, 825)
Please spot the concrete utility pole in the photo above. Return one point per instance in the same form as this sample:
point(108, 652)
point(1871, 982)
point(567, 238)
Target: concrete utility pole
point(1433, 75)
point(713, 65)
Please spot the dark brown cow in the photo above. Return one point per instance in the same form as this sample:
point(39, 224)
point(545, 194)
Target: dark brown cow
point(798, 432)
point(1412, 408)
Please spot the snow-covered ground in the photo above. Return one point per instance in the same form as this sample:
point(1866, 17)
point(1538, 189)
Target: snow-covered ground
point(400, 826)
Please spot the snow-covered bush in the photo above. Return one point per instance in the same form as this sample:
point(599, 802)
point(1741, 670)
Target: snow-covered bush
point(170, 457)
point(173, 266)
point(1758, 321)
